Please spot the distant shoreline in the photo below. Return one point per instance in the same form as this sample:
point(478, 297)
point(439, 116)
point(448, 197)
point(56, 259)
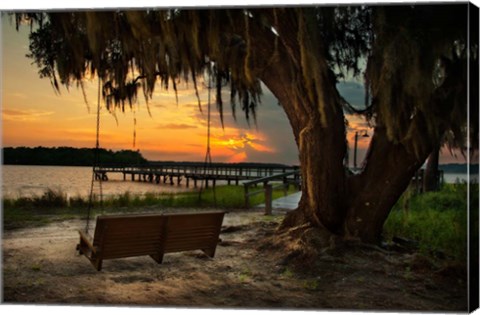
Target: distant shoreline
point(69, 156)
point(451, 168)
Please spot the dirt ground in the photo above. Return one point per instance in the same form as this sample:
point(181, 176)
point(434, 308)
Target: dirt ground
point(41, 266)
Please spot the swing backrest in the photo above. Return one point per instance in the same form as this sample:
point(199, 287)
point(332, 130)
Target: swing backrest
point(119, 236)
point(190, 231)
point(129, 235)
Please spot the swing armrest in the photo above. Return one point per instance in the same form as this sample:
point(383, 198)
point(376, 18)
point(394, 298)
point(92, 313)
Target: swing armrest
point(85, 240)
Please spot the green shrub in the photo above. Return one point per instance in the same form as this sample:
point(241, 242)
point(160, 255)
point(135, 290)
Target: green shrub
point(78, 202)
point(26, 211)
point(122, 200)
point(49, 199)
point(437, 220)
point(52, 198)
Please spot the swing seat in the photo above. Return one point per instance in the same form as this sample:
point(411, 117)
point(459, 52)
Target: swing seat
point(120, 236)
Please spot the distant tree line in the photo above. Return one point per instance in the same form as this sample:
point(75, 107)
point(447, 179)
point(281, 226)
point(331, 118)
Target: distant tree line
point(67, 156)
point(458, 168)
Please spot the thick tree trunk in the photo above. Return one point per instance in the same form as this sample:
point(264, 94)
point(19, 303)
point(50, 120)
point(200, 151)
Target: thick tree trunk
point(372, 194)
point(321, 152)
point(318, 125)
point(347, 206)
point(351, 207)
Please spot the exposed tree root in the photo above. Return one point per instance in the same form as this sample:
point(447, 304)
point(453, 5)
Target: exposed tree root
point(305, 248)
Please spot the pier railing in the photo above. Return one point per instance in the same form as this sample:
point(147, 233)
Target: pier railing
point(283, 180)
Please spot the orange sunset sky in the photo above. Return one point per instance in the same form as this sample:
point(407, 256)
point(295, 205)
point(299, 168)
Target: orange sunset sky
point(34, 115)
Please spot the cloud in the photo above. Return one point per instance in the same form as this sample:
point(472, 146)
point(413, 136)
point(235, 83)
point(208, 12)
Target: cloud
point(271, 140)
point(157, 105)
point(176, 126)
point(185, 90)
point(19, 95)
point(273, 136)
point(24, 115)
point(80, 117)
point(195, 145)
point(357, 123)
point(86, 134)
point(237, 158)
point(161, 155)
point(352, 92)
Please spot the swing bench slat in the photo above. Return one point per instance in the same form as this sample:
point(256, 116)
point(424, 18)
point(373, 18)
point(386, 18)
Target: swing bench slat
point(120, 236)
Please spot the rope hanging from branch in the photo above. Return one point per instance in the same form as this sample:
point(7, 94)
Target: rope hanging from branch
point(208, 155)
point(95, 163)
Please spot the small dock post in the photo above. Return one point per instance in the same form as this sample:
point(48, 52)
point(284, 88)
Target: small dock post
point(268, 199)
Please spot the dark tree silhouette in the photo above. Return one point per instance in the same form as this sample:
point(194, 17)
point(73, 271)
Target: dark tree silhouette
point(420, 59)
point(68, 156)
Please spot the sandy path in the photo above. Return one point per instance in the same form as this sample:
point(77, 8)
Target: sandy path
point(40, 266)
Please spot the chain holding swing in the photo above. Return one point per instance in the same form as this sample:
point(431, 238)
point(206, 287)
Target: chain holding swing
point(96, 161)
point(208, 155)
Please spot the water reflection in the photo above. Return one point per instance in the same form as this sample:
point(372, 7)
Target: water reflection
point(20, 180)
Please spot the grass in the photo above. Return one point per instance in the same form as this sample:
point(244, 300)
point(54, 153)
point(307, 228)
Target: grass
point(436, 220)
point(55, 205)
point(311, 284)
point(245, 275)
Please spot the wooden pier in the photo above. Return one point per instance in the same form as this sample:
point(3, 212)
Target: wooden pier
point(247, 174)
point(193, 172)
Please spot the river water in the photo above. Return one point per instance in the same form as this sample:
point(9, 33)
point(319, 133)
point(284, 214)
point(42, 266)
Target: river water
point(20, 180)
point(23, 180)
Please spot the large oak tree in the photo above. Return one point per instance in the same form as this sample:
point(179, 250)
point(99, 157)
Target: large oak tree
point(420, 62)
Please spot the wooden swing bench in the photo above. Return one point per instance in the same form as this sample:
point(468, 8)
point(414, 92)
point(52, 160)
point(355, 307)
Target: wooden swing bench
point(120, 236)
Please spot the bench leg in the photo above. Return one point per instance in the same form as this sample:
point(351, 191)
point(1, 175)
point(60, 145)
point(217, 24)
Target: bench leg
point(97, 263)
point(83, 249)
point(209, 251)
point(79, 249)
point(157, 257)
